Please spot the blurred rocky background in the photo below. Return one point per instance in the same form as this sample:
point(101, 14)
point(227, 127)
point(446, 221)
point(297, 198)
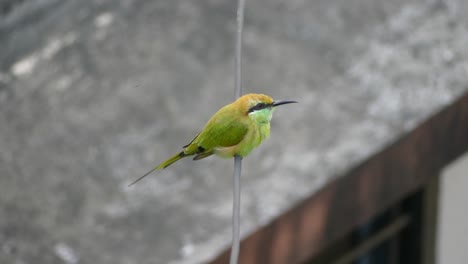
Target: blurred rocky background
point(93, 93)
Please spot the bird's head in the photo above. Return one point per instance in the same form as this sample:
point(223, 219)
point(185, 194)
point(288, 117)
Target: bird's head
point(259, 107)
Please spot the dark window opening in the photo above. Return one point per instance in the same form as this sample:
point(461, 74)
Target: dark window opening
point(403, 234)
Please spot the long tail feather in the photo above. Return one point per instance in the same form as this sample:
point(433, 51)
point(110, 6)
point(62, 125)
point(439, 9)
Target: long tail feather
point(163, 165)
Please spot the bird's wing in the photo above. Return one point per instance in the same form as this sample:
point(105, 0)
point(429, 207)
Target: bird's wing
point(191, 141)
point(224, 129)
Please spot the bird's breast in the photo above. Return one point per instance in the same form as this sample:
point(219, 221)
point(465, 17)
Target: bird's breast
point(254, 137)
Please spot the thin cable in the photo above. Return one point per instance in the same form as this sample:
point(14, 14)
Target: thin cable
point(240, 26)
point(237, 159)
point(236, 211)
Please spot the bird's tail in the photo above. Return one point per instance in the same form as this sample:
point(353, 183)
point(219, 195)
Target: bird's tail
point(163, 165)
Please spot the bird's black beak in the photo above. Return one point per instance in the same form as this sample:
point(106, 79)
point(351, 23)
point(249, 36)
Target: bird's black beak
point(281, 102)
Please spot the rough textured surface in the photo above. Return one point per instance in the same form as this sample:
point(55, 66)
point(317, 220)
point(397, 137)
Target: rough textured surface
point(94, 93)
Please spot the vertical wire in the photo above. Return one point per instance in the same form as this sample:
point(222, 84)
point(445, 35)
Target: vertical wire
point(237, 159)
point(236, 211)
point(238, 63)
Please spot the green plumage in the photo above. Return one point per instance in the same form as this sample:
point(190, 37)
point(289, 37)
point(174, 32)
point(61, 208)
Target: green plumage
point(224, 129)
point(236, 129)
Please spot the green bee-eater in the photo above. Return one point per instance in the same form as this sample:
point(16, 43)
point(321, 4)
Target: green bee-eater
point(236, 129)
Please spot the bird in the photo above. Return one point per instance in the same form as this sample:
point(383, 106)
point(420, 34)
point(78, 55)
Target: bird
point(234, 130)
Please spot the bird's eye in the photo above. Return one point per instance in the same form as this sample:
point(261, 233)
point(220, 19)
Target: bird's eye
point(256, 107)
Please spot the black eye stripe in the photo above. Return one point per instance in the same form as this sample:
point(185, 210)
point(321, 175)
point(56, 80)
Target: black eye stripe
point(259, 106)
